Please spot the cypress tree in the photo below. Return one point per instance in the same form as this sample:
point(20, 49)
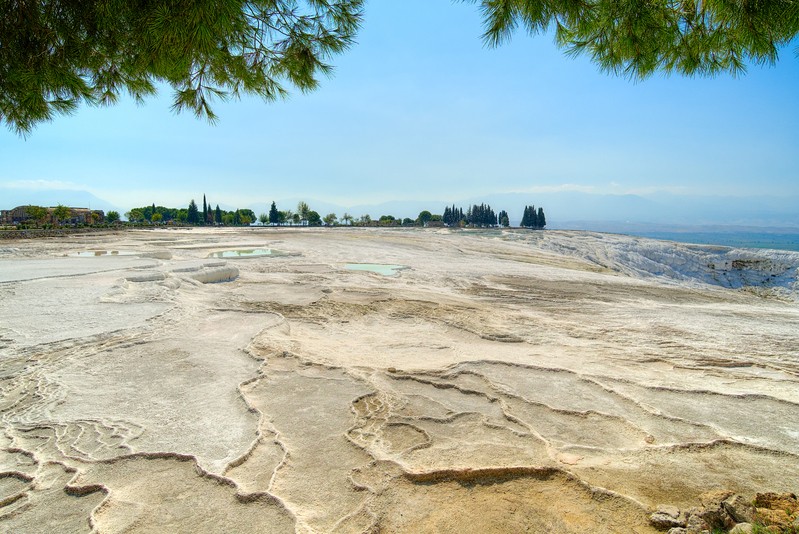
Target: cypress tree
point(274, 215)
point(218, 218)
point(193, 215)
point(205, 210)
point(542, 220)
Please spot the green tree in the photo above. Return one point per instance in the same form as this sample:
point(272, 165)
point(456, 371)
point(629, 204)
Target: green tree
point(264, 218)
point(157, 218)
point(61, 213)
point(314, 219)
point(247, 215)
point(424, 217)
point(637, 38)
point(296, 218)
point(56, 54)
point(135, 215)
point(193, 213)
point(542, 220)
point(330, 219)
point(112, 216)
point(347, 218)
point(204, 216)
point(218, 215)
point(274, 214)
point(303, 210)
point(37, 213)
point(529, 218)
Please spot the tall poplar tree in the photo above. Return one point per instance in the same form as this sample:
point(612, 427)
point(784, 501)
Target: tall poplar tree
point(193, 213)
point(274, 214)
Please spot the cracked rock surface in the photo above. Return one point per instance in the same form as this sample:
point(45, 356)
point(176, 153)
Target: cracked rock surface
point(503, 381)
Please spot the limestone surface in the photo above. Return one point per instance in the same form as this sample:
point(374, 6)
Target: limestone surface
point(496, 381)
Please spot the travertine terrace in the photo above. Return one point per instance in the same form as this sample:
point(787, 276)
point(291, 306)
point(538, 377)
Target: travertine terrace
point(505, 381)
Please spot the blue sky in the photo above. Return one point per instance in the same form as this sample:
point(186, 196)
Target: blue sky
point(420, 109)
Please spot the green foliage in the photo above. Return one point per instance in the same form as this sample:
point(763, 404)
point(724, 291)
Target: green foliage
point(637, 38)
point(303, 210)
point(387, 220)
point(264, 218)
point(330, 219)
point(453, 216)
point(135, 215)
point(112, 216)
point(314, 219)
point(533, 218)
point(193, 213)
point(247, 216)
point(61, 213)
point(38, 213)
point(424, 217)
point(274, 214)
point(56, 54)
point(481, 215)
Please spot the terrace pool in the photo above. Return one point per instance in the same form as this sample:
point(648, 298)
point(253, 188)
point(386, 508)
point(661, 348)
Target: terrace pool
point(379, 268)
point(246, 253)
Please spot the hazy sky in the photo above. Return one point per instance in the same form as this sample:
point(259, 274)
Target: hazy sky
point(420, 109)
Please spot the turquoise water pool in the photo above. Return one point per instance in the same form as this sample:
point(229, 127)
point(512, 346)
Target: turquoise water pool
point(379, 268)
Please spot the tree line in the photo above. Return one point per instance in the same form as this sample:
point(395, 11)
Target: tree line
point(475, 216)
point(532, 218)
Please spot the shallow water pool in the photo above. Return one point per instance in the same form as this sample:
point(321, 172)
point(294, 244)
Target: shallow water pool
point(246, 253)
point(379, 268)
